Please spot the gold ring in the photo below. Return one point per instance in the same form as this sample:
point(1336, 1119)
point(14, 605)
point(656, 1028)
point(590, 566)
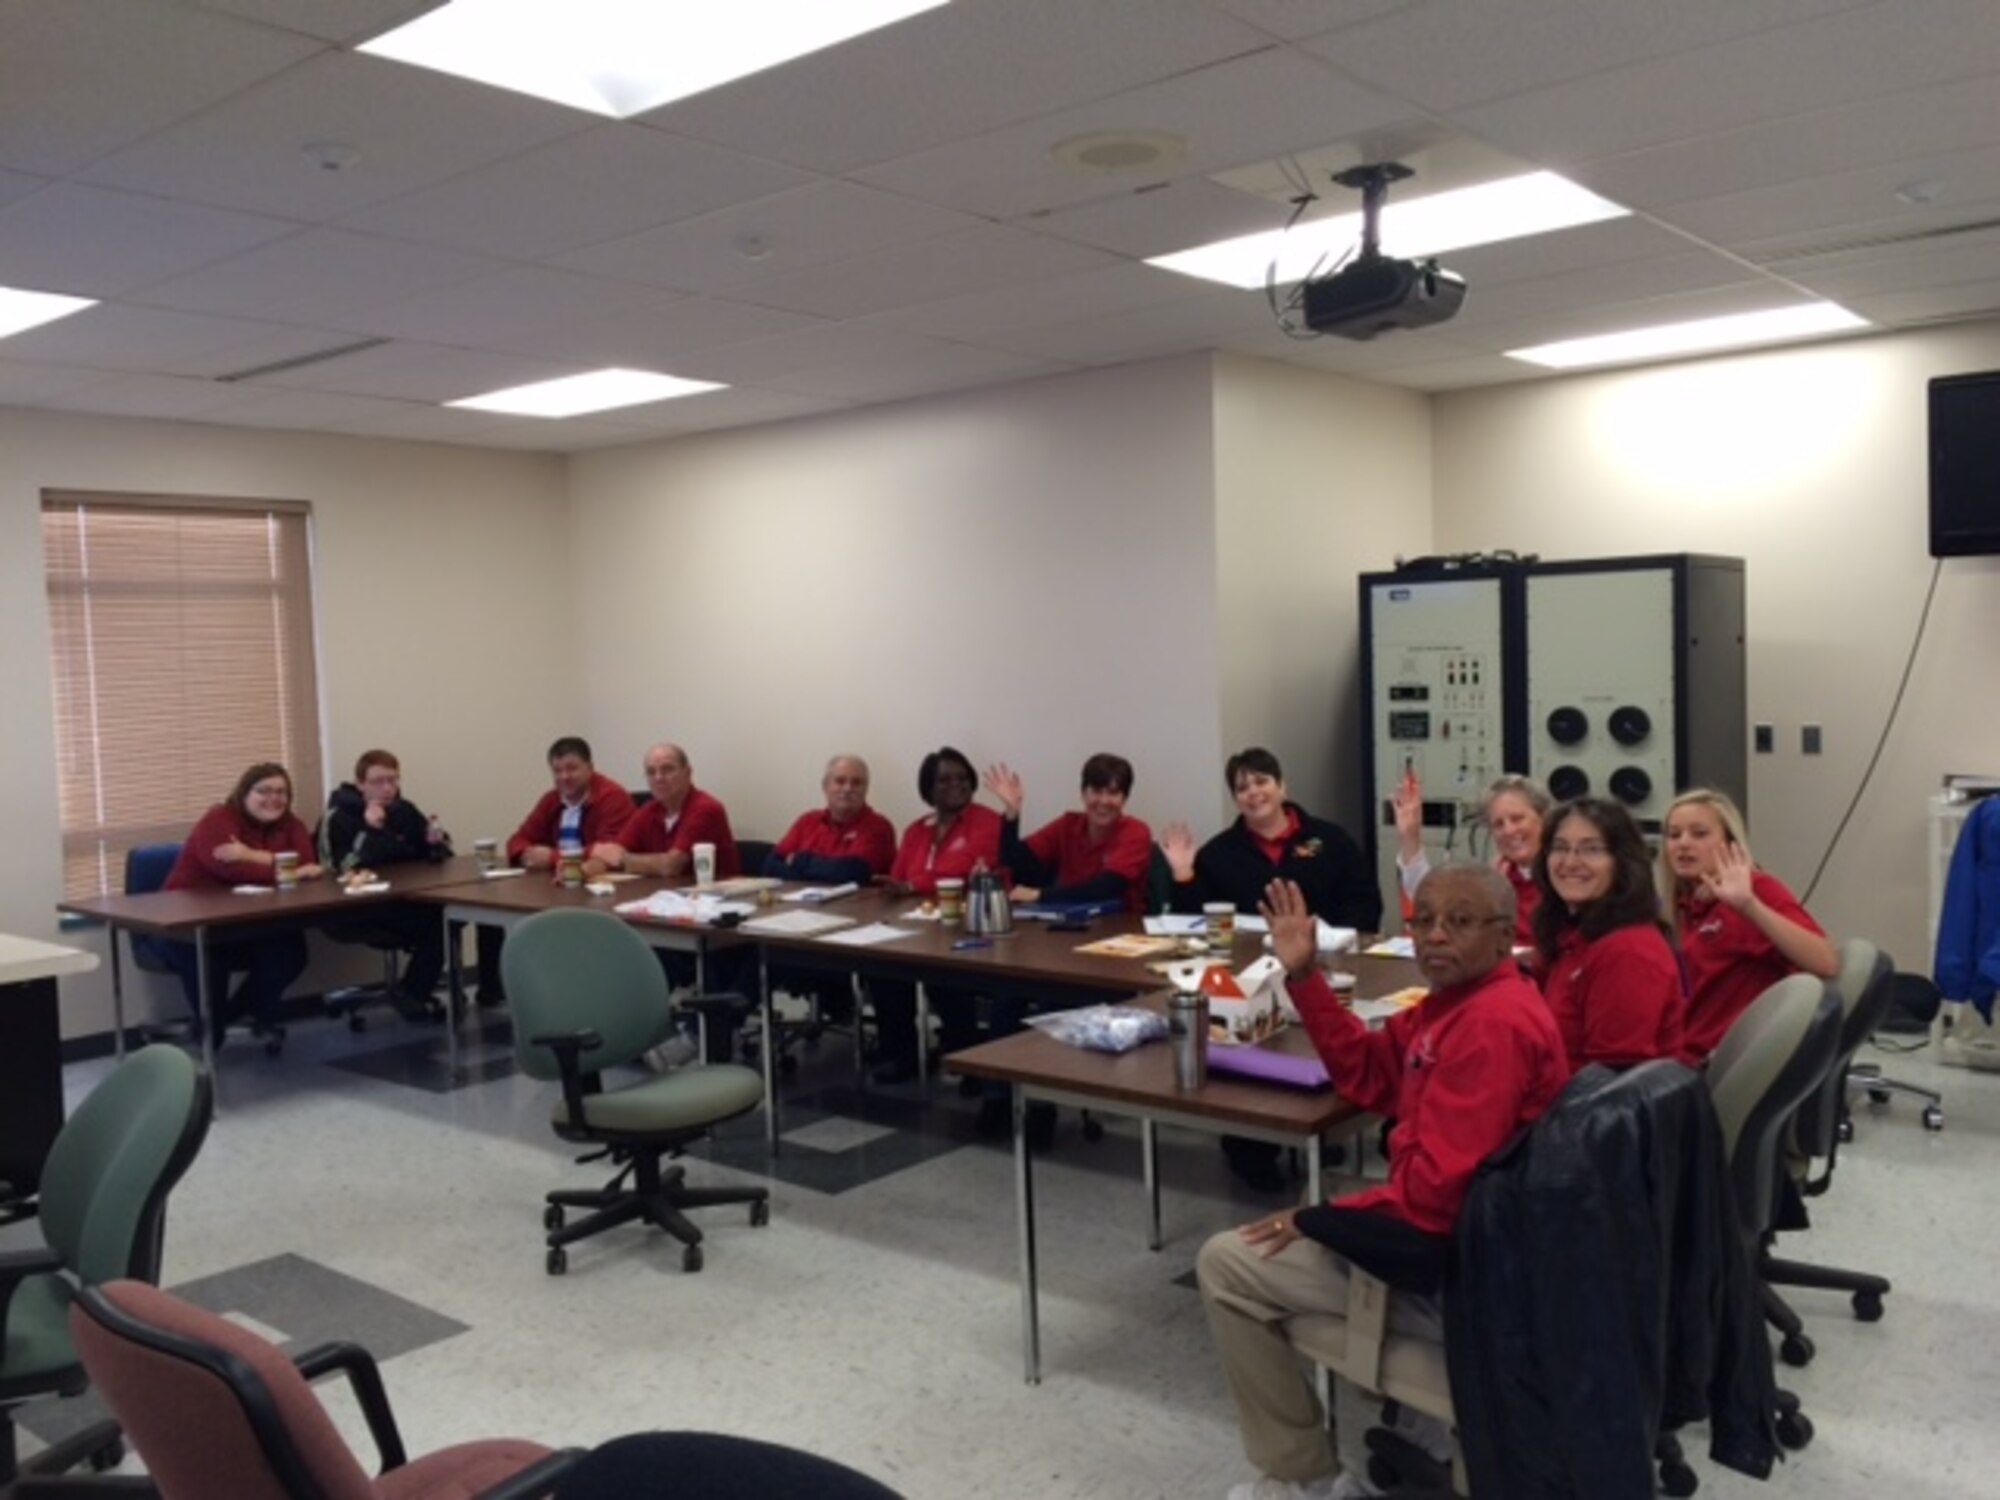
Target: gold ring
point(1278, 1226)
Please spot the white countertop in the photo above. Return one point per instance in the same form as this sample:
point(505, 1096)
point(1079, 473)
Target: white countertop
point(22, 959)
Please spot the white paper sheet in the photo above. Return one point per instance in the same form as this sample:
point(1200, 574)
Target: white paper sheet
point(1175, 924)
point(818, 893)
point(797, 923)
point(867, 937)
point(674, 906)
point(1393, 947)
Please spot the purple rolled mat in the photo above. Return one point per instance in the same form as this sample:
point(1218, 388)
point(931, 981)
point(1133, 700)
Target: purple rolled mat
point(1266, 1066)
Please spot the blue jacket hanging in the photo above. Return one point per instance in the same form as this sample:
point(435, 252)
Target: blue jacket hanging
point(1967, 966)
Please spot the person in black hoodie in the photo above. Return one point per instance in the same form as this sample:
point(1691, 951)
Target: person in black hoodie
point(1273, 838)
point(369, 824)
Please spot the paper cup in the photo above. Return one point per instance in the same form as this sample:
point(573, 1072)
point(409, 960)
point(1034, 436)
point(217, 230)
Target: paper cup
point(951, 901)
point(704, 864)
point(1221, 917)
point(285, 871)
point(487, 853)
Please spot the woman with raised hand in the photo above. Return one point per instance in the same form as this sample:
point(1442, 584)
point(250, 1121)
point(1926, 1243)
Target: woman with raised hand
point(1608, 973)
point(1514, 810)
point(1739, 930)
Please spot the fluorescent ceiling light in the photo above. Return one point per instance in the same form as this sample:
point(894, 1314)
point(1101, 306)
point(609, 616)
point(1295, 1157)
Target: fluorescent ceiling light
point(1411, 228)
point(622, 57)
point(20, 311)
point(1665, 340)
point(573, 395)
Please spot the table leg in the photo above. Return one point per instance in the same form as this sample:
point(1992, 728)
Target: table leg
point(768, 1050)
point(205, 1023)
point(923, 1037)
point(858, 998)
point(1149, 1154)
point(454, 1004)
point(1024, 1217)
point(1314, 1168)
point(117, 999)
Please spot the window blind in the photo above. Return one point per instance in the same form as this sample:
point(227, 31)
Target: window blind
point(181, 632)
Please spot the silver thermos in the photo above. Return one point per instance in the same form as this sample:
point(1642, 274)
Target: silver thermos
point(988, 911)
point(1187, 1029)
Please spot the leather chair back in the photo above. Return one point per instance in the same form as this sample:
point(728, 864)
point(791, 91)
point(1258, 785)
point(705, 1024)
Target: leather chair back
point(1776, 1054)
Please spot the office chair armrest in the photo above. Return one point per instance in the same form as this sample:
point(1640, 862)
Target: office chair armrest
point(537, 1480)
point(16, 1266)
point(569, 1047)
point(358, 1365)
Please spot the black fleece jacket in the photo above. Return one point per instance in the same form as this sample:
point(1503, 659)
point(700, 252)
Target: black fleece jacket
point(1328, 866)
point(347, 842)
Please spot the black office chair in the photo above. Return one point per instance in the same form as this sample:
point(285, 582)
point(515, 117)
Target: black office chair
point(588, 996)
point(1863, 987)
point(350, 1001)
point(1914, 1002)
point(832, 1005)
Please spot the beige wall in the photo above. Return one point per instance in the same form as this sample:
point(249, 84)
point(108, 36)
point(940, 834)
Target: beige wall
point(1025, 572)
point(444, 619)
point(1809, 463)
point(1319, 478)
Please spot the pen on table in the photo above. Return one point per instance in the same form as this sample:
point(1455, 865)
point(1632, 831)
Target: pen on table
point(964, 943)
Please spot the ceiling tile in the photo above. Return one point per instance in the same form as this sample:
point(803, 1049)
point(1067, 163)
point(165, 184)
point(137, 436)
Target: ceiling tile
point(1062, 299)
point(91, 242)
point(320, 275)
point(409, 127)
point(308, 411)
point(1860, 203)
point(430, 424)
point(1749, 295)
point(1462, 374)
point(23, 383)
point(1852, 55)
point(1938, 304)
point(736, 407)
point(1166, 328)
point(1447, 56)
point(599, 184)
point(116, 336)
point(789, 231)
point(1510, 302)
point(662, 336)
point(1873, 270)
point(953, 72)
point(163, 396)
point(1608, 243)
point(347, 21)
point(17, 185)
point(1293, 19)
point(573, 435)
point(942, 266)
point(509, 309)
point(1160, 219)
point(948, 367)
point(82, 80)
point(816, 348)
point(400, 371)
point(1229, 113)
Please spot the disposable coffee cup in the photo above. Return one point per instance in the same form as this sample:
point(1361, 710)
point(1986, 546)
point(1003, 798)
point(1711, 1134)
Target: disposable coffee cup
point(704, 864)
point(1221, 917)
point(951, 901)
point(487, 853)
point(569, 864)
point(286, 871)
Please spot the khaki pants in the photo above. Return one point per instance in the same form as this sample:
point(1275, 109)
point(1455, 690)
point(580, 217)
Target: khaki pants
point(1250, 1301)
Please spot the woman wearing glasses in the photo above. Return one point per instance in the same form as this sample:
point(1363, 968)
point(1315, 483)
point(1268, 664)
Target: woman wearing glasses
point(1739, 930)
point(1608, 973)
point(238, 842)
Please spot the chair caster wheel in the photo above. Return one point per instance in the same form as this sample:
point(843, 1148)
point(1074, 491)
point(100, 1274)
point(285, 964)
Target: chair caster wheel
point(1795, 1429)
point(357, 1023)
point(274, 1042)
point(1678, 1480)
point(1878, 1096)
point(1868, 1306)
point(1933, 1117)
point(691, 1258)
point(760, 1214)
point(1844, 1132)
point(1093, 1128)
point(788, 1065)
point(552, 1217)
point(558, 1261)
point(1796, 1350)
point(109, 1457)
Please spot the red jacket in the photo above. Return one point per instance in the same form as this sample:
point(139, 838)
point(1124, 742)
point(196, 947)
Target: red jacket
point(1617, 1000)
point(701, 820)
point(1064, 847)
point(973, 840)
point(1459, 1073)
point(606, 807)
point(198, 868)
point(1729, 962)
point(867, 836)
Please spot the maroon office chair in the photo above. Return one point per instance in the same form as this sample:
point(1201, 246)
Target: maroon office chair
point(215, 1410)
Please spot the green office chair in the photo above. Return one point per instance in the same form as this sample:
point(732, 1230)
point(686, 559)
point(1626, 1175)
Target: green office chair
point(103, 1215)
point(588, 995)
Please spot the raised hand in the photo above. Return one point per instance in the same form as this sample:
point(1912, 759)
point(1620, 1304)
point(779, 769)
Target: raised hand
point(1006, 788)
point(1409, 805)
point(1177, 843)
point(1294, 929)
point(1729, 881)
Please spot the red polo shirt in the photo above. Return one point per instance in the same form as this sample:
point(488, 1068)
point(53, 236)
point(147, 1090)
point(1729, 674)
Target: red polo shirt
point(606, 806)
point(867, 836)
point(1730, 962)
point(1065, 847)
point(973, 840)
point(198, 867)
point(1617, 1000)
point(701, 820)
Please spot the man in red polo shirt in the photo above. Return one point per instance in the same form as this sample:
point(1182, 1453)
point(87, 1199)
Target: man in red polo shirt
point(847, 840)
point(659, 838)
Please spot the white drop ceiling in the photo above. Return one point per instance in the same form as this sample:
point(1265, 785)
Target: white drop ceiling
point(884, 220)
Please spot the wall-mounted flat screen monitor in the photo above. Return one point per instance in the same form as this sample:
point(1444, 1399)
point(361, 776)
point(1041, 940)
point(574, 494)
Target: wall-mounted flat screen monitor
point(1965, 465)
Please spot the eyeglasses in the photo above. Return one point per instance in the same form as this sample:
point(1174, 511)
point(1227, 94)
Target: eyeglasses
point(1589, 849)
point(270, 789)
point(1455, 923)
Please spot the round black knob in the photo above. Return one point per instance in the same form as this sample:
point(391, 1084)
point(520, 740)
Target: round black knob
point(1629, 725)
point(1568, 782)
point(1630, 785)
point(1568, 726)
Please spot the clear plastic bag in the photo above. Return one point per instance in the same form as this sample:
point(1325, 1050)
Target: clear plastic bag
point(1103, 1028)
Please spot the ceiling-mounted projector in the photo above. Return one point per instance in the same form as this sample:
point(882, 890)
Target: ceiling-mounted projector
point(1378, 292)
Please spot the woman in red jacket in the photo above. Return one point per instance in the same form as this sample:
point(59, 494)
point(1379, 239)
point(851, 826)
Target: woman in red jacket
point(1608, 973)
point(237, 842)
point(1739, 930)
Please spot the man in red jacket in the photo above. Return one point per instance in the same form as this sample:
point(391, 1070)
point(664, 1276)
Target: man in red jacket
point(659, 838)
point(582, 806)
point(1460, 1073)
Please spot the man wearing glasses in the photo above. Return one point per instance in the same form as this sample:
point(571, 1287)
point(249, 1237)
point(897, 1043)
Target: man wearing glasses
point(1461, 1072)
